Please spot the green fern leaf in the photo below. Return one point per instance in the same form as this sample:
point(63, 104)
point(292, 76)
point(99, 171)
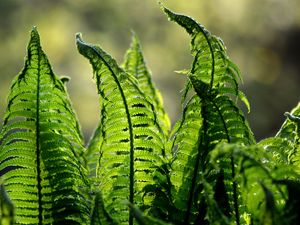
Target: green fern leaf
point(135, 64)
point(269, 189)
point(290, 125)
point(41, 147)
point(132, 143)
point(290, 132)
point(213, 77)
point(284, 147)
point(215, 80)
point(212, 67)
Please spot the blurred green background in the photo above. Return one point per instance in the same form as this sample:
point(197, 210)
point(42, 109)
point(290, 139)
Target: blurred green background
point(262, 37)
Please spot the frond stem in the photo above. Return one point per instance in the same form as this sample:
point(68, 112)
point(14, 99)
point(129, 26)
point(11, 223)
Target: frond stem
point(38, 150)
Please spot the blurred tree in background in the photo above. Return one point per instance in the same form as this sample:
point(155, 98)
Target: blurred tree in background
point(262, 37)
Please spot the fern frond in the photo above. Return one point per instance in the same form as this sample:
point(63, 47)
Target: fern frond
point(212, 82)
point(132, 142)
point(214, 78)
point(212, 67)
point(266, 188)
point(290, 132)
point(135, 65)
point(41, 147)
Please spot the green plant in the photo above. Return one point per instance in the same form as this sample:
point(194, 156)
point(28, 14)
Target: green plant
point(207, 170)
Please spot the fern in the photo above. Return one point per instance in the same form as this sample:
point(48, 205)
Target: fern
point(266, 188)
point(41, 147)
point(132, 141)
point(270, 172)
point(284, 148)
point(214, 78)
point(290, 131)
point(208, 170)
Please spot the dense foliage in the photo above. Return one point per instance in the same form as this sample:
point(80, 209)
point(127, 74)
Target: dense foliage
point(207, 170)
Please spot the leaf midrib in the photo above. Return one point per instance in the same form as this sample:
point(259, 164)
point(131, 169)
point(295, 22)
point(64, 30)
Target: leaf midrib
point(38, 153)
